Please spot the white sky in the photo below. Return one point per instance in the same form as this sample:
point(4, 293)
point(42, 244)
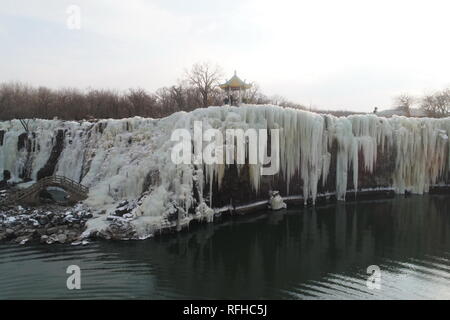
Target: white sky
point(344, 54)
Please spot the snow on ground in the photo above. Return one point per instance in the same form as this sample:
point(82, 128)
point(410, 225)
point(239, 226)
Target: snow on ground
point(413, 112)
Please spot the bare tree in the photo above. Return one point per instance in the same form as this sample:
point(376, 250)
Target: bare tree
point(43, 100)
point(177, 96)
point(404, 102)
point(253, 95)
point(205, 78)
point(199, 88)
point(141, 103)
point(437, 104)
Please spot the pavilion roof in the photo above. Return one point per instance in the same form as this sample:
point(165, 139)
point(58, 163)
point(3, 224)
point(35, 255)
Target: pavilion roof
point(235, 83)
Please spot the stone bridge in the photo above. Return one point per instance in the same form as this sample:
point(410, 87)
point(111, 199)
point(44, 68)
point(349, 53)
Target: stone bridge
point(30, 195)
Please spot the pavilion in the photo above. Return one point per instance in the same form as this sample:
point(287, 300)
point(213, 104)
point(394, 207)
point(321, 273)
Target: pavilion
point(235, 84)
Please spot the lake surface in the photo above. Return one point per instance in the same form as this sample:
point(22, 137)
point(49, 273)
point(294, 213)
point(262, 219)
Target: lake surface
point(320, 253)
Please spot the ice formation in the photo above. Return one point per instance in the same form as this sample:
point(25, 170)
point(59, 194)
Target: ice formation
point(276, 201)
point(130, 159)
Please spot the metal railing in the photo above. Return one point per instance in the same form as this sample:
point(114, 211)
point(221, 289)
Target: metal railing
point(57, 181)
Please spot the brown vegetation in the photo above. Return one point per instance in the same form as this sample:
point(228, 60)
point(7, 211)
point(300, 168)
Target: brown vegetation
point(198, 89)
point(436, 104)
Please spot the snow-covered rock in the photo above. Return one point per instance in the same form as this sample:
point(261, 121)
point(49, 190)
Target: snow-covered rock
point(276, 201)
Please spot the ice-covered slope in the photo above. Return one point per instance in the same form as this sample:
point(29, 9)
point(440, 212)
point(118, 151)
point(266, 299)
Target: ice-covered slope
point(131, 158)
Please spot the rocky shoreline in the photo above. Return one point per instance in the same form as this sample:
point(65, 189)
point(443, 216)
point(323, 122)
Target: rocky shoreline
point(56, 224)
point(45, 224)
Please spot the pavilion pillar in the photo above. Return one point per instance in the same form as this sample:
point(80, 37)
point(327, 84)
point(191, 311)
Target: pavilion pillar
point(235, 85)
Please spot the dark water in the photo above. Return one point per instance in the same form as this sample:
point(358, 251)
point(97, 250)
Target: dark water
point(320, 253)
point(58, 195)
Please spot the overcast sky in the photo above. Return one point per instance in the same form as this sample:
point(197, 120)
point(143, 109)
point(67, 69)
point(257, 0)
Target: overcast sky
point(351, 55)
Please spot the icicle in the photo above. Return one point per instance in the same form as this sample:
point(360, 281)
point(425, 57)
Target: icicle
point(131, 158)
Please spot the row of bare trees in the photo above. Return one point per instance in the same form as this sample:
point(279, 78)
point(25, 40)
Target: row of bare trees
point(22, 101)
point(436, 104)
point(197, 89)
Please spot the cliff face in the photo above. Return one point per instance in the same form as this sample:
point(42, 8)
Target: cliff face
point(132, 159)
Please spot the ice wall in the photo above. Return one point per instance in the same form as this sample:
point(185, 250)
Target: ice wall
point(131, 158)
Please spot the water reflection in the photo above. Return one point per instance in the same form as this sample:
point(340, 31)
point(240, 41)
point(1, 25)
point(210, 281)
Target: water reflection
point(306, 253)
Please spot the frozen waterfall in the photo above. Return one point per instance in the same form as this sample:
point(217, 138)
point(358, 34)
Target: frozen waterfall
point(131, 158)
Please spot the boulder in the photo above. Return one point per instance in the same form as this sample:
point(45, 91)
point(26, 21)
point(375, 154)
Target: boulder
point(62, 238)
